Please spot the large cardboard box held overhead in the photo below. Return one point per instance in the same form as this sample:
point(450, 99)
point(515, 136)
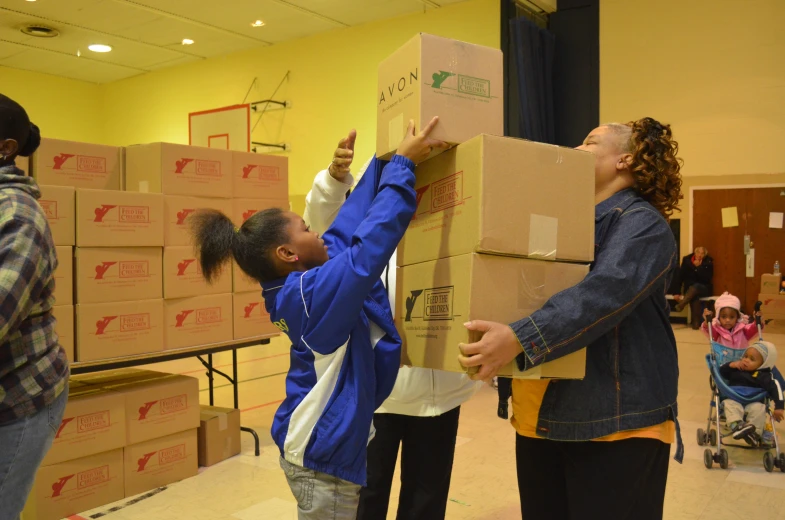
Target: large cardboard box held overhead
point(183, 275)
point(200, 320)
point(219, 434)
point(434, 299)
point(770, 283)
point(65, 329)
point(432, 76)
point(243, 209)
point(175, 169)
point(250, 316)
point(65, 489)
point(119, 219)
point(258, 176)
point(108, 330)
point(64, 276)
point(773, 305)
point(81, 165)
point(115, 274)
point(178, 208)
point(504, 196)
point(161, 461)
point(59, 205)
point(93, 422)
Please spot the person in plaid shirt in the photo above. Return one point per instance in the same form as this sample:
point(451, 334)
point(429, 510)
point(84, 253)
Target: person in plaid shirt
point(33, 365)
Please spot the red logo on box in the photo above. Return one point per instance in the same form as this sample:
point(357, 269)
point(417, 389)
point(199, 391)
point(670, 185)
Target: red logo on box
point(50, 208)
point(170, 455)
point(142, 463)
point(266, 173)
point(180, 318)
point(447, 193)
point(60, 159)
point(249, 309)
point(145, 409)
point(93, 421)
point(101, 212)
point(248, 214)
point(84, 163)
point(420, 192)
point(92, 477)
point(209, 315)
point(201, 167)
point(63, 424)
point(102, 268)
point(138, 214)
point(100, 325)
point(57, 487)
point(182, 215)
point(134, 269)
point(132, 322)
point(174, 404)
point(182, 267)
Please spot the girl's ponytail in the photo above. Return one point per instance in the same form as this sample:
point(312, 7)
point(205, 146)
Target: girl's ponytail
point(214, 237)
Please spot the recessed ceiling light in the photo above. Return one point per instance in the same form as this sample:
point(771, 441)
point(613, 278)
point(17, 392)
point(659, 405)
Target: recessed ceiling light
point(257, 23)
point(188, 41)
point(31, 0)
point(99, 47)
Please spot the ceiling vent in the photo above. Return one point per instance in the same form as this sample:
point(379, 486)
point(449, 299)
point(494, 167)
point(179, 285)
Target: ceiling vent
point(40, 31)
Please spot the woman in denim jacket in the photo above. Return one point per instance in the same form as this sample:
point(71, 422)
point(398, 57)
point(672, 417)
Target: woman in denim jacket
point(599, 447)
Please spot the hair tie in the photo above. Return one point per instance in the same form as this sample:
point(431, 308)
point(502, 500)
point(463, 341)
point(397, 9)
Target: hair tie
point(236, 229)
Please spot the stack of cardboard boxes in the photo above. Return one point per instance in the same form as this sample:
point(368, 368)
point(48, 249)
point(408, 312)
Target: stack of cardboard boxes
point(124, 432)
point(773, 299)
point(501, 224)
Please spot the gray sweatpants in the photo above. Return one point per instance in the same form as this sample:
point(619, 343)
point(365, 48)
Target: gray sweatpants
point(321, 496)
point(756, 414)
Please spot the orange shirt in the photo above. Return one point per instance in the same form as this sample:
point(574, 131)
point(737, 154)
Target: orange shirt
point(527, 396)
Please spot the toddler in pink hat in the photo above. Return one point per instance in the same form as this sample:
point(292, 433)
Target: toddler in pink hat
point(730, 328)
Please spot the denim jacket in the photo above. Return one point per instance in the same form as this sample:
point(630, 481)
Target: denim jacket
point(619, 312)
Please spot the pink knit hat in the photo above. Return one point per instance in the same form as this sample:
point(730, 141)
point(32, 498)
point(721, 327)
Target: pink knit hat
point(727, 300)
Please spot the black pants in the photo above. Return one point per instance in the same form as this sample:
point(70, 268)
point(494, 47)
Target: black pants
point(426, 465)
point(622, 480)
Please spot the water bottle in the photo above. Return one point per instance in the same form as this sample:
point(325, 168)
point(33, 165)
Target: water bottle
point(777, 267)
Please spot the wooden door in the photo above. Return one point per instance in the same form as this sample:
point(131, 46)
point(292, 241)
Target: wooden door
point(726, 245)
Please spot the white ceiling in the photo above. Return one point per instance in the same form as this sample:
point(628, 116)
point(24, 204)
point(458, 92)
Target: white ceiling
point(146, 34)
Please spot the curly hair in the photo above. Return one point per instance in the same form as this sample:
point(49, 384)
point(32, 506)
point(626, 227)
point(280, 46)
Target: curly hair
point(655, 165)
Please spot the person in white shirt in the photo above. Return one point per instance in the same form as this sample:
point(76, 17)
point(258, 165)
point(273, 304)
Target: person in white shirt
point(422, 412)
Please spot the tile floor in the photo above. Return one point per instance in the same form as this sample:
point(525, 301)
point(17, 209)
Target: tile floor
point(483, 483)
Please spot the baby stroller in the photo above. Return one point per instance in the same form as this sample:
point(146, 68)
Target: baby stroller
point(718, 356)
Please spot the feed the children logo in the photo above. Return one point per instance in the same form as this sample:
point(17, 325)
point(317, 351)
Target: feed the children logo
point(50, 208)
point(83, 163)
point(437, 304)
point(197, 166)
point(125, 214)
point(462, 84)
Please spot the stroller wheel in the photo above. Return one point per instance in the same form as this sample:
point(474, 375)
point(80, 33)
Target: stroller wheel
point(768, 461)
point(701, 437)
point(723, 459)
point(708, 458)
point(713, 437)
point(781, 459)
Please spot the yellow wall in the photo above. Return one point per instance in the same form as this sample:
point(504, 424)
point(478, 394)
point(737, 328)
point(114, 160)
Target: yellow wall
point(62, 108)
point(332, 86)
point(715, 70)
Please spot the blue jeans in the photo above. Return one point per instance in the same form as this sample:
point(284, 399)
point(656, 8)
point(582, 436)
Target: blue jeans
point(23, 445)
point(321, 496)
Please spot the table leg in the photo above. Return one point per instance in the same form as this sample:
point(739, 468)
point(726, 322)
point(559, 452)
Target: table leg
point(236, 385)
point(210, 378)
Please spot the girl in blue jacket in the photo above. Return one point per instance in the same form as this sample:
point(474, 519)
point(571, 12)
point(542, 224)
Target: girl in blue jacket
point(326, 294)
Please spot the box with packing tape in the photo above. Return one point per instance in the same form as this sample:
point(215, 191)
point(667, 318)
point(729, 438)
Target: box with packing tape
point(67, 488)
point(183, 275)
point(504, 196)
point(59, 205)
point(117, 329)
point(200, 320)
point(433, 76)
point(434, 299)
point(770, 283)
point(160, 461)
point(178, 208)
point(175, 169)
point(115, 274)
point(81, 165)
point(64, 314)
point(219, 434)
point(250, 316)
point(259, 176)
point(119, 219)
point(64, 276)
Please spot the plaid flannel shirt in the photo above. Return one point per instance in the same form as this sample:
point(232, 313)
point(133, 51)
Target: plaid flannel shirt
point(33, 366)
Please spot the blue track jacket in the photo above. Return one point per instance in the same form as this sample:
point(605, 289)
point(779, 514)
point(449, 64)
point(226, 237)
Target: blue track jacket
point(345, 349)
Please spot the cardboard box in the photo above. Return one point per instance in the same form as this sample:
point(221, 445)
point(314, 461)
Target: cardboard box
point(64, 314)
point(432, 76)
point(93, 422)
point(159, 462)
point(119, 219)
point(770, 283)
point(64, 276)
point(65, 489)
point(176, 211)
point(243, 209)
point(183, 275)
point(242, 283)
point(111, 377)
point(81, 165)
point(775, 325)
point(59, 205)
point(23, 163)
point(219, 434)
point(115, 274)
point(157, 405)
point(250, 316)
point(434, 300)
point(773, 305)
point(200, 320)
point(504, 196)
point(176, 169)
point(258, 176)
point(109, 330)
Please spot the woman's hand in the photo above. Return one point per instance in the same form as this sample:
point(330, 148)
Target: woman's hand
point(418, 147)
point(343, 157)
point(498, 346)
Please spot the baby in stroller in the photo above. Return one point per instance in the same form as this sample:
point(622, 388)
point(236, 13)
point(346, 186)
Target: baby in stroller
point(753, 371)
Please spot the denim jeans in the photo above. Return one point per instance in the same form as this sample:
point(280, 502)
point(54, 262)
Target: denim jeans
point(23, 445)
point(321, 496)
